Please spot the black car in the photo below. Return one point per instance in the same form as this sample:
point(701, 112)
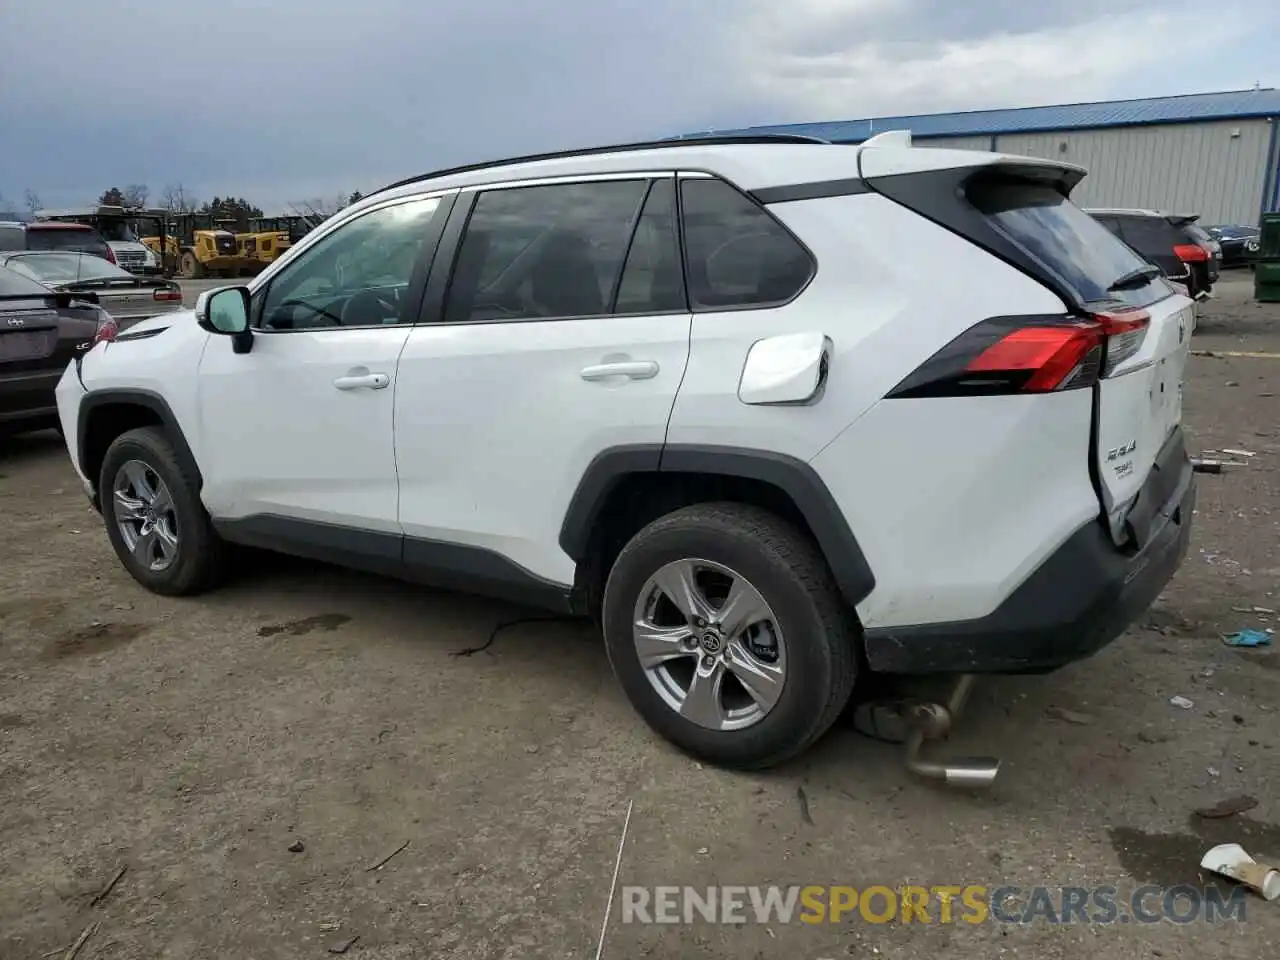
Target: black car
point(41, 331)
point(1174, 242)
point(1239, 244)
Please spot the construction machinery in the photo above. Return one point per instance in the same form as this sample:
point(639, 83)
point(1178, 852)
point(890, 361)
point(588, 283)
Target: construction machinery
point(201, 245)
point(268, 238)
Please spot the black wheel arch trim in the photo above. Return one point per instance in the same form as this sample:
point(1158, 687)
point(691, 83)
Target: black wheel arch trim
point(134, 397)
point(792, 476)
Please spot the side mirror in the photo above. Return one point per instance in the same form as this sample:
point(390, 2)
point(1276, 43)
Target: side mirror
point(225, 311)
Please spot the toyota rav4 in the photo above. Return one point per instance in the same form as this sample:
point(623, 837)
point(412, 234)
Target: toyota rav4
point(685, 388)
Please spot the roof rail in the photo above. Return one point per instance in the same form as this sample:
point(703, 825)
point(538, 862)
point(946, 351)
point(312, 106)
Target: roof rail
point(682, 141)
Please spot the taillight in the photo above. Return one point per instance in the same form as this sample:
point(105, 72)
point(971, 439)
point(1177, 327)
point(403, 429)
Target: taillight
point(111, 255)
point(1124, 332)
point(107, 330)
point(166, 294)
point(1029, 354)
point(1191, 253)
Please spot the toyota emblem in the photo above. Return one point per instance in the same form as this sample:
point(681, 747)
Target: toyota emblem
point(16, 322)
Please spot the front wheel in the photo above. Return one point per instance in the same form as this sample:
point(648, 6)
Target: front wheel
point(728, 634)
point(154, 517)
point(192, 268)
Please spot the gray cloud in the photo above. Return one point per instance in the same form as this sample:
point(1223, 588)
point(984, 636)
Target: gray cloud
point(299, 98)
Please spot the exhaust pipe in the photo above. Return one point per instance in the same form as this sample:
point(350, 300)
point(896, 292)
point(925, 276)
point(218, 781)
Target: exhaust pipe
point(933, 721)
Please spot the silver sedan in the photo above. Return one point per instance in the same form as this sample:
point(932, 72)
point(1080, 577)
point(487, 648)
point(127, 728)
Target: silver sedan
point(126, 297)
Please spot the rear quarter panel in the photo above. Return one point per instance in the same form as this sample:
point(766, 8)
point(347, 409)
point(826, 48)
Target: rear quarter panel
point(954, 502)
point(890, 289)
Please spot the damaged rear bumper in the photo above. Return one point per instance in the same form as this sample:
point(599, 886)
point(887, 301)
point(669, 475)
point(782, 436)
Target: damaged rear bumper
point(1084, 596)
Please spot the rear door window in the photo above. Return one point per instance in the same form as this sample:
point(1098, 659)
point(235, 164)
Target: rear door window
point(551, 251)
point(1072, 245)
point(736, 253)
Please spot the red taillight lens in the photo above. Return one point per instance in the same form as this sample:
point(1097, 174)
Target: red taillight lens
point(111, 255)
point(166, 294)
point(1034, 354)
point(1047, 356)
point(1191, 253)
point(107, 330)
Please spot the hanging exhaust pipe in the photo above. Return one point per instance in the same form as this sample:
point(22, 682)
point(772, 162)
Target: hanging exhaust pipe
point(933, 721)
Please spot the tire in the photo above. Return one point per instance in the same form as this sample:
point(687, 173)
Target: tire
point(192, 268)
point(818, 633)
point(197, 560)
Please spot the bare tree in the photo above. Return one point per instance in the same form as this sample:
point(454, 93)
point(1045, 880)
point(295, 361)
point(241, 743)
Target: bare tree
point(31, 200)
point(319, 208)
point(136, 194)
point(175, 199)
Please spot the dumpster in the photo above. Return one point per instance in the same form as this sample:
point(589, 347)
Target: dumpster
point(1266, 269)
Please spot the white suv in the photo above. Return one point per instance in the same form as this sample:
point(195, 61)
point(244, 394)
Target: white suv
point(776, 412)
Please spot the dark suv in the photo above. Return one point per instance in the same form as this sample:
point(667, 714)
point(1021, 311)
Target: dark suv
point(50, 235)
point(1174, 242)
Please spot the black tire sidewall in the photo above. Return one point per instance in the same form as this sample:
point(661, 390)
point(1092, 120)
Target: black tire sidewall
point(150, 447)
point(810, 672)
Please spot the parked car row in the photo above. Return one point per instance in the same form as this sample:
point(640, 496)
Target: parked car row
point(1183, 251)
point(1187, 253)
point(54, 305)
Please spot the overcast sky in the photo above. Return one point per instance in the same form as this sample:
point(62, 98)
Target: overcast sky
point(283, 100)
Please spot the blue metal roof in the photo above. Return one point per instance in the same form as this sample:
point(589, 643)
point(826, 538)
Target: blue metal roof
point(1231, 105)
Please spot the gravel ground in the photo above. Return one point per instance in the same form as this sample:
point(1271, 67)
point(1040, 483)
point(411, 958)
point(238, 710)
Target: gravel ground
point(249, 755)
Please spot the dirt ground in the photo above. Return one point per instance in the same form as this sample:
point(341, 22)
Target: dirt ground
point(200, 743)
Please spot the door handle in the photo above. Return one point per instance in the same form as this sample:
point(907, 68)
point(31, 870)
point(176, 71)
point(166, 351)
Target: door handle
point(368, 381)
point(632, 369)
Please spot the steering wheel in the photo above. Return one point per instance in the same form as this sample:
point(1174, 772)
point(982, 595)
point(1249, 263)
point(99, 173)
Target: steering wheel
point(361, 305)
point(317, 311)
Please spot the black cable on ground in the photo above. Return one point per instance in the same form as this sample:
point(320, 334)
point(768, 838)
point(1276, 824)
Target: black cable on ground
point(493, 634)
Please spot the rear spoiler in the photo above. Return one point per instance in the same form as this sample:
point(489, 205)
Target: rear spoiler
point(61, 298)
point(1182, 219)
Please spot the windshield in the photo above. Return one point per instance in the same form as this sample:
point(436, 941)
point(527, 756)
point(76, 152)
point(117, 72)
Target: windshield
point(58, 268)
point(1083, 253)
point(13, 283)
point(118, 231)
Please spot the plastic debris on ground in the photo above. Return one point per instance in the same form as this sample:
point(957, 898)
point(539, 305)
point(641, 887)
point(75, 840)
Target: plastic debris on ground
point(1182, 703)
point(1230, 860)
point(1247, 638)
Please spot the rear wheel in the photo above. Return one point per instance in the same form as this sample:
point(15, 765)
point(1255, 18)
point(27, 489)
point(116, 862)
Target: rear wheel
point(154, 517)
point(728, 634)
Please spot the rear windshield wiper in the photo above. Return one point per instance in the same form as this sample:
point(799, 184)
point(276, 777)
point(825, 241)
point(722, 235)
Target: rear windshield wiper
point(1135, 278)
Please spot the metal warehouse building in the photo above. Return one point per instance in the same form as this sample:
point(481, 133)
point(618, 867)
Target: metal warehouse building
point(1215, 154)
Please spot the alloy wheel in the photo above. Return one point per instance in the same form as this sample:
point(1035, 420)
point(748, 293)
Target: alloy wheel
point(710, 645)
point(145, 515)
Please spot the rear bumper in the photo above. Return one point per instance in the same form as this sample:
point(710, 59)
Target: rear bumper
point(1084, 596)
